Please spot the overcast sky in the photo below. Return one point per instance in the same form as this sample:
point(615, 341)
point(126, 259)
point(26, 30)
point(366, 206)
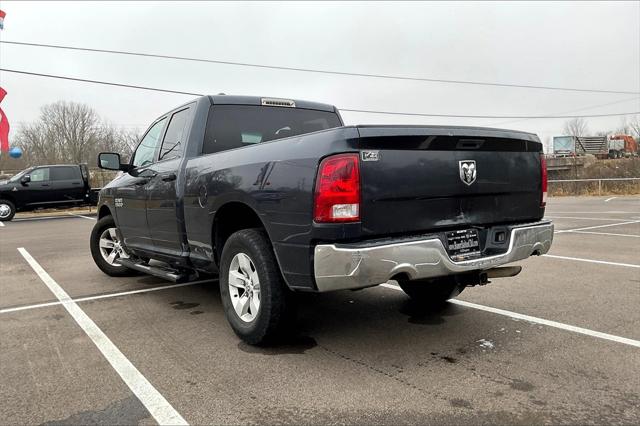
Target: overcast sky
point(584, 45)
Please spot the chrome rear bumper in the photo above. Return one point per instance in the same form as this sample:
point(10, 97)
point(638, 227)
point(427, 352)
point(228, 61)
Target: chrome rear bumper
point(346, 266)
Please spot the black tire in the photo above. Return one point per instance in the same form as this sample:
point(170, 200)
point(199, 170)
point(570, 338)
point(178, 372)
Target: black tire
point(432, 291)
point(275, 304)
point(94, 243)
point(4, 217)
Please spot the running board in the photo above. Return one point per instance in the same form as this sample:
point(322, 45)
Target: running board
point(168, 274)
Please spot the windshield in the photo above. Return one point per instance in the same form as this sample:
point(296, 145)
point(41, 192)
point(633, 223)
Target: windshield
point(20, 174)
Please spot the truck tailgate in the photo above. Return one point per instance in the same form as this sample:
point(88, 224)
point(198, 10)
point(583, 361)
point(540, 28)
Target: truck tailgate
point(412, 180)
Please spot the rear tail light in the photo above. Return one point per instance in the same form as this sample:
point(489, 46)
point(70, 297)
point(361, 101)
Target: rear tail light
point(337, 194)
point(543, 174)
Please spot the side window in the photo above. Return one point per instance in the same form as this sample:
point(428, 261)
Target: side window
point(40, 175)
point(144, 154)
point(65, 173)
point(173, 143)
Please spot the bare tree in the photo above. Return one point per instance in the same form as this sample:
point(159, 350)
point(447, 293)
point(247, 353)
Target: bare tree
point(68, 132)
point(575, 127)
point(634, 126)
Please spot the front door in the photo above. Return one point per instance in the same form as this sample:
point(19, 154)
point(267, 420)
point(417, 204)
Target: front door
point(38, 191)
point(131, 197)
point(162, 205)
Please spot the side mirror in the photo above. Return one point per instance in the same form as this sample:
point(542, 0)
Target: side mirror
point(111, 161)
point(25, 179)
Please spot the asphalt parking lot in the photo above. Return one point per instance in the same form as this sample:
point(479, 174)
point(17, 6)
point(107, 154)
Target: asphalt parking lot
point(560, 343)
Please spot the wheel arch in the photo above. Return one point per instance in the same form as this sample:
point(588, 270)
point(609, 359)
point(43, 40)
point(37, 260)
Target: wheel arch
point(104, 211)
point(231, 217)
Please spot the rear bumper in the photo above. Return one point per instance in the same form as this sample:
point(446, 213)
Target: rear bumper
point(352, 266)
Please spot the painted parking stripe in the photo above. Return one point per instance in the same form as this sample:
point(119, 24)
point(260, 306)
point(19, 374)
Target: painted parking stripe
point(605, 219)
point(156, 404)
point(541, 321)
point(609, 199)
point(84, 217)
point(597, 226)
point(101, 296)
point(604, 233)
point(1, 224)
point(602, 262)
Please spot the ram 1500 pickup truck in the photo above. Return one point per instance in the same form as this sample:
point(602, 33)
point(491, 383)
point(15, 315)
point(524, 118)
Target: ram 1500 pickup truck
point(278, 195)
point(59, 186)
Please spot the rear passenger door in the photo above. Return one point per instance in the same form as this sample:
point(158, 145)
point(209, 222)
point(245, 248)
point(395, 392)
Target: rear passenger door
point(66, 184)
point(162, 204)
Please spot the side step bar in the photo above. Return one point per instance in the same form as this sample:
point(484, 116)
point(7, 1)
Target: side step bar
point(157, 271)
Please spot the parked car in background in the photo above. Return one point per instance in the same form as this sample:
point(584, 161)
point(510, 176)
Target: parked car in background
point(278, 195)
point(59, 185)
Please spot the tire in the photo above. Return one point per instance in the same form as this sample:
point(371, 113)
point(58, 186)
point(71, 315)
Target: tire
point(7, 210)
point(248, 259)
point(106, 229)
point(432, 291)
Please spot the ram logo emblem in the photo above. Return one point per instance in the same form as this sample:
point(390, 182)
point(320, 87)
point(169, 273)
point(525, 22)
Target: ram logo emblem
point(468, 171)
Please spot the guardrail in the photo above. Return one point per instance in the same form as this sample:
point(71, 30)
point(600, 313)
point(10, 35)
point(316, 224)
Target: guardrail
point(625, 185)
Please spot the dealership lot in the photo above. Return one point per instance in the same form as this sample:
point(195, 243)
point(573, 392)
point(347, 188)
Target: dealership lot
point(355, 357)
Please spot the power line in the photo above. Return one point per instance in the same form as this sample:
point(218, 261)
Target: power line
point(622, 101)
point(155, 89)
point(107, 83)
point(320, 71)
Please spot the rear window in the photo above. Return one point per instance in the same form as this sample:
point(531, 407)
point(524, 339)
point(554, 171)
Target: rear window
point(65, 173)
point(235, 126)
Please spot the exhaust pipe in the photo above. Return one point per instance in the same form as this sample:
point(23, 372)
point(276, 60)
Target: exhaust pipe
point(503, 271)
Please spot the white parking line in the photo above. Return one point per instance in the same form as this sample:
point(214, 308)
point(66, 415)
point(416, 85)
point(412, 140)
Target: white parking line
point(605, 233)
point(592, 212)
point(578, 259)
point(597, 226)
point(542, 321)
point(609, 219)
point(609, 199)
point(1, 224)
point(79, 215)
point(102, 296)
point(158, 406)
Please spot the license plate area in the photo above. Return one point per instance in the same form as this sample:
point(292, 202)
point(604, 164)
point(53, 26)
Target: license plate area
point(463, 244)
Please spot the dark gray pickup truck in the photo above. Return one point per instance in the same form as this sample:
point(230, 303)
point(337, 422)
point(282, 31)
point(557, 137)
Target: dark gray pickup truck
point(277, 196)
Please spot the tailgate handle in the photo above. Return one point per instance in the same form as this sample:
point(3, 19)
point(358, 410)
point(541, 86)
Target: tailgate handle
point(469, 143)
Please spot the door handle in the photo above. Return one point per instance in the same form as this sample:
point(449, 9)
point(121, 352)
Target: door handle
point(45, 184)
point(142, 181)
point(168, 177)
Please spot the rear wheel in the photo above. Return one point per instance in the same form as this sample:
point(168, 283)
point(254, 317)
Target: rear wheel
point(107, 247)
point(433, 291)
point(255, 298)
point(7, 210)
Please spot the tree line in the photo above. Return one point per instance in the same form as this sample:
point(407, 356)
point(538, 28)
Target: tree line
point(67, 132)
point(579, 127)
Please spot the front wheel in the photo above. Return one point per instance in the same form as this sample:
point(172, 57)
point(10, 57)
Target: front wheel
point(107, 247)
point(7, 210)
point(434, 291)
point(254, 296)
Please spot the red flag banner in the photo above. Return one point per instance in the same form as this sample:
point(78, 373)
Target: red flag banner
point(4, 126)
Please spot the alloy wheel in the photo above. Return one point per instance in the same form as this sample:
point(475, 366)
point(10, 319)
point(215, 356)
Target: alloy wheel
point(244, 287)
point(111, 247)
